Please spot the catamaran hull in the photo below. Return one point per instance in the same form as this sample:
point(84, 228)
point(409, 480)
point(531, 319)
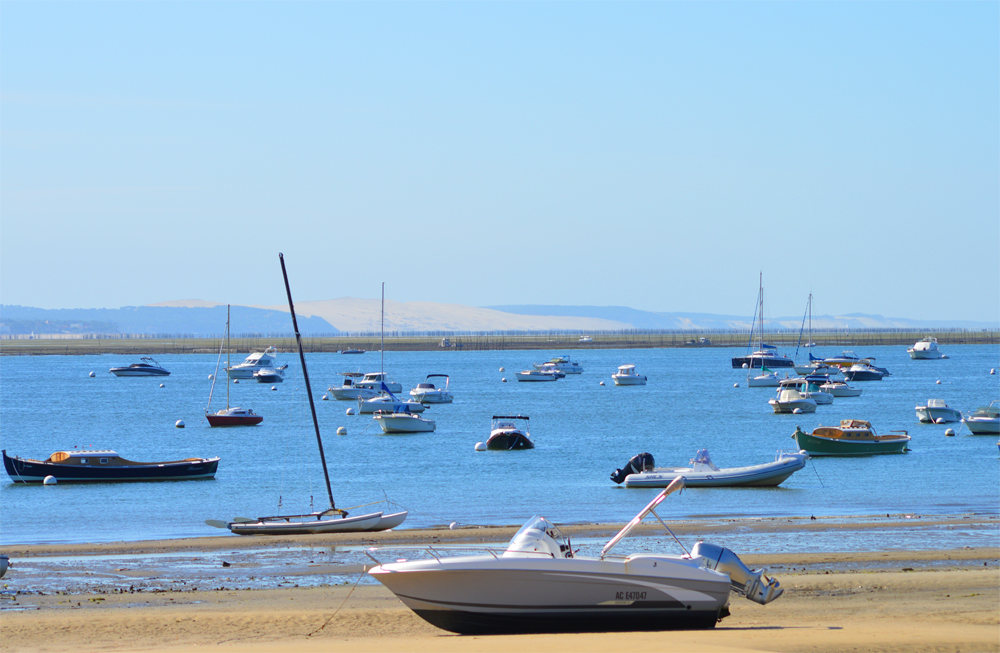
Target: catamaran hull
point(357, 524)
point(559, 595)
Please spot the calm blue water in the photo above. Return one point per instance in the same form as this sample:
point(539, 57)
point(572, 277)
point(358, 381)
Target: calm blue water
point(582, 432)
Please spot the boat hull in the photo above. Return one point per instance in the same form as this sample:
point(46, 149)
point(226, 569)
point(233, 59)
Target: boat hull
point(371, 407)
point(629, 380)
point(784, 407)
point(863, 375)
point(820, 446)
point(930, 414)
point(358, 524)
point(351, 394)
point(767, 475)
point(533, 376)
point(124, 371)
point(762, 361)
point(509, 441)
point(483, 595)
point(982, 426)
point(432, 397)
point(394, 424)
point(25, 471)
point(234, 420)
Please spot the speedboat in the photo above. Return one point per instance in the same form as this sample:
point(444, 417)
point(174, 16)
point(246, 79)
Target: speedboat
point(270, 374)
point(426, 393)
point(811, 387)
point(147, 367)
point(702, 472)
point(925, 349)
point(539, 584)
point(404, 422)
point(854, 437)
point(508, 432)
point(254, 363)
point(561, 363)
point(936, 410)
point(789, 400)
point(840, 389)
point(375, 381)
point(626, 375)
point(985, 420)
point(234, 416)
point(350, 390)
point(534, 375)
point(863, 371)
point(766, 379)
point(352, 351)
point(103, 466)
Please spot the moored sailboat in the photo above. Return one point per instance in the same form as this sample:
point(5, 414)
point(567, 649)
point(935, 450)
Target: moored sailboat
point(230, 415)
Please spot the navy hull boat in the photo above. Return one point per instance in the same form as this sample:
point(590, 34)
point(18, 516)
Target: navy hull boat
point(93, 465)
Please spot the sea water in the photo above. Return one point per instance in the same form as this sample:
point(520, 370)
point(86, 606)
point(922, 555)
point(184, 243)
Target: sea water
point(582, 432)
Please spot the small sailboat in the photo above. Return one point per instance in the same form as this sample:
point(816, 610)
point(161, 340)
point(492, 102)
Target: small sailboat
point(764, 354)
point(331, 520)
point(230, 415)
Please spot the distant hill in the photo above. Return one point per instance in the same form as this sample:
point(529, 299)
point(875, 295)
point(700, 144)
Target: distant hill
point(203, 321)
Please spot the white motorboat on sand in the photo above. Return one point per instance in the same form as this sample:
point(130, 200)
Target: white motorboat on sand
point(702, 472)
point(539, 584)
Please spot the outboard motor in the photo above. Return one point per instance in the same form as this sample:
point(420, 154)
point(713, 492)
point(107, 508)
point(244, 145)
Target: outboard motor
point(752, 584)
point(639, 463)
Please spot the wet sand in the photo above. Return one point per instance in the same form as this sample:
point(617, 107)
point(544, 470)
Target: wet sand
point(931, 600)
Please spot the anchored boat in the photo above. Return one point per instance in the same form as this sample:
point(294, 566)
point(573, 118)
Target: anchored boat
point(104, 465)
point(854, 437)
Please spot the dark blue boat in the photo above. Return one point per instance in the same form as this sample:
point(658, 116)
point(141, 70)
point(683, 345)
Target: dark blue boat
point(103, 466)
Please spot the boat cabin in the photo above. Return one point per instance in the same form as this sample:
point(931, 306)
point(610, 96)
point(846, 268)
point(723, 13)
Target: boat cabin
point(539, 537)
point(86, 457)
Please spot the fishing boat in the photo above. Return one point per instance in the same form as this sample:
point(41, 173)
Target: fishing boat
point(789, 400)
point(937, 411)
point(626, 375)
point(509, 432)
point(540, 584)
point(427, 393)
point(702, 472)
point(146, 367)
point(854, 437)
point(404, 422)
point(331, 520)
point(230, 415)
point(104, 465)
point(764, 354)
point(254, 363)
point(925, 349)
point(985, 420)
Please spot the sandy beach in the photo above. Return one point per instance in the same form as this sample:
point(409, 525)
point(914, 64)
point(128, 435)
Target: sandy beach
point(154, 596)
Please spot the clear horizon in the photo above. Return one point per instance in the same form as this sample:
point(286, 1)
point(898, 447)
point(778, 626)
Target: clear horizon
point(652, 155)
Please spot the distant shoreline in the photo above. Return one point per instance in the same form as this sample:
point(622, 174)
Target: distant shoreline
point(638, 339)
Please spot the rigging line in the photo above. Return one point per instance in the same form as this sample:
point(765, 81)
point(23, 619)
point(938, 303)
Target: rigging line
point(330, 618)
point(813, 465)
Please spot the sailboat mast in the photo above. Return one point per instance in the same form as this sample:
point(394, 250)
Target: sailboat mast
point(382, 341)
point(228, 364)
point(305, 374)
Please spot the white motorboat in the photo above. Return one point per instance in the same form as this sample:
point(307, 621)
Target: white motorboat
point(374, 381)
point(146, 367)
point(817, 368)
point(585, 339)
point(350, 390)
point(427, 393)
point(509, 432)
point(985, 420)
point(811, 387)
point(561, 363)
point(766, 379)
point(925, 349)
point(840, 389)
point(789, 400)
point(539, 584)
point(549, 368)
point(270, 374)
point(627, 375)
point(254, 363)
point(534, 375)
point(702, 472)
point(404, 422)
point(937, 409)
point(389, 403)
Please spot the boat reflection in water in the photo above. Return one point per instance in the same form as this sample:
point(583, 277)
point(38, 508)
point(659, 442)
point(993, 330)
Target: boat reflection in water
point(538, 584)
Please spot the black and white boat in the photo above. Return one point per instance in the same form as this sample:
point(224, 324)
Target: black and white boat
point(509, 432)
point(539, 584)
point(146, 367)
point(92, 465)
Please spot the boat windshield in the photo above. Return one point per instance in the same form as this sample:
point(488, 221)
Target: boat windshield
point(539, 536)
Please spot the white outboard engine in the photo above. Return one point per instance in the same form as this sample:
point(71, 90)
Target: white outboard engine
point(639, 463)
point(752, 584)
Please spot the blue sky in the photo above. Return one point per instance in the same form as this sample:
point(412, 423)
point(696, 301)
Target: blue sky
point(652, 155)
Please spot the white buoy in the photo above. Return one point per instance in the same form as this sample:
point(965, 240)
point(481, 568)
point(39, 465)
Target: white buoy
point(350, 411)
point(944, 355)
point(736, 385)
point(274, 387)
point(993, 370)
point(179, 423)
point(236, 380)
point(602, 382)
point(453, 525)
point(502, 370)
point(939, 420)
point(162, 385)
point(341, 430)
point(503, 380)
point(325, 398)
point(938, 382)
point(480, 446)
point(745, 366)
point(949, 432)
point(91, 375)
point(797, 411)
point(211, 377)
point(50, 480)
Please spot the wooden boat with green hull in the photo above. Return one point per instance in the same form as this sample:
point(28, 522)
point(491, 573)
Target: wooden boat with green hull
point(854, 437)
